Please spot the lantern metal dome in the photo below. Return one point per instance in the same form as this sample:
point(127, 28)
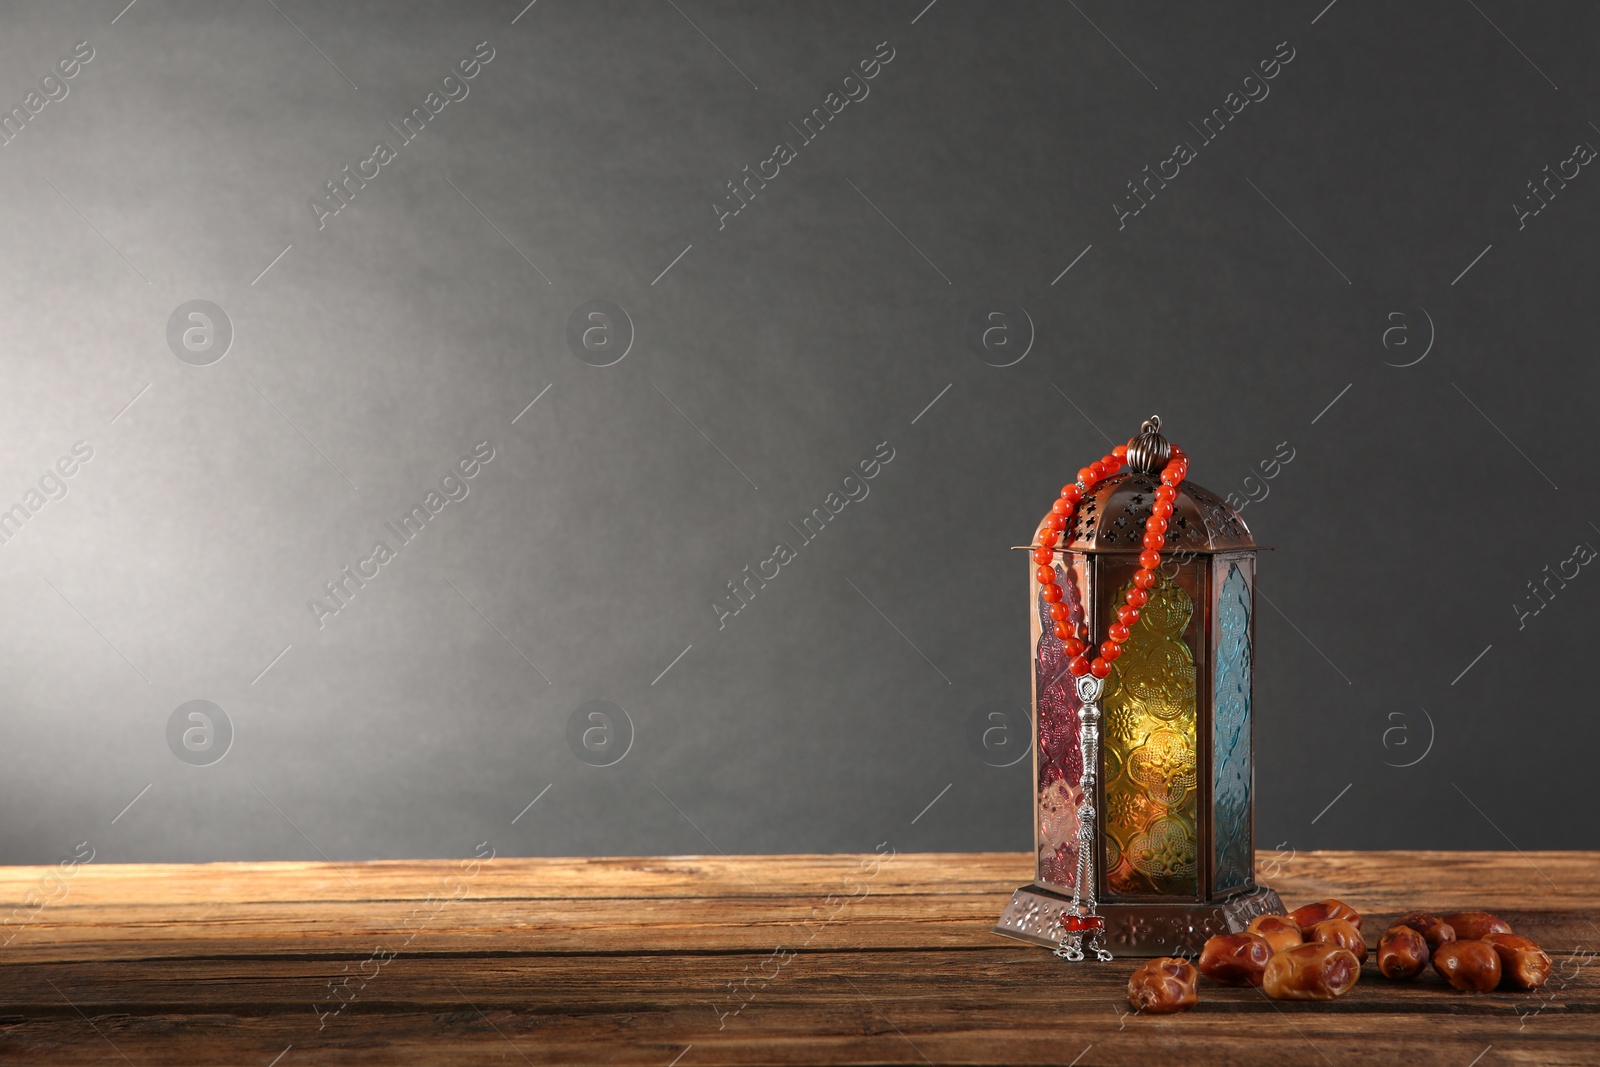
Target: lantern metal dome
point(1111, 518)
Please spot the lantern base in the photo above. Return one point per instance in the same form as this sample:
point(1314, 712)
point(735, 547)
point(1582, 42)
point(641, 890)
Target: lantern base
point(1179, 928)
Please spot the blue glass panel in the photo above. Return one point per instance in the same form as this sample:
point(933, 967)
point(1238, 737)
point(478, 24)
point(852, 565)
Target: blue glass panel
point(1231, 733)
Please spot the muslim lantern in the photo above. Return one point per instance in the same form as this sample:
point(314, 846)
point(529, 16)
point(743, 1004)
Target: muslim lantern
point(1150, 767)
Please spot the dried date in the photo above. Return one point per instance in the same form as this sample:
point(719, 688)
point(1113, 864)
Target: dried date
point(1433, 929)
point(1470, 966)
point(1280, 931)
point(1315, 971)
point(1162, 986)
point(1402, 952)
point(1340, 933)
point(1523, 964)
point(1235, 959)
point(1474, 925)
point(1311, 914)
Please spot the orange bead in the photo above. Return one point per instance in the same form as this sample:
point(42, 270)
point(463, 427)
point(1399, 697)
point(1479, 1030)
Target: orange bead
point(1045, 575)
point(1072, 493)
point(1121, 451)
point(1087, 476)
point(1079, 666)
point(1149, 559)
point(1162, 509)
point(1118, 632)
point(1170, 475)
point(1052, 593)
point(1048, 537)
point(1136, 596)
point(1166, 493)
point(1111, 463)
point(1063, 631)
point(1127, 615)
point(1056, 523)
point(1144, 579)
point(1109, 651)
point(1058, 612)
point(1155, 523)
point(1154, 540)
point(1099, 668)
point(1075, 646)
point(1042, 556)
point(1061, 507)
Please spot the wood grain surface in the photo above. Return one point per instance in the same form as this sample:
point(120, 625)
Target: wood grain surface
point(698, 960)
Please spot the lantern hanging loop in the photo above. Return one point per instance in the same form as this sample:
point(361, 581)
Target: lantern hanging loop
point(1149, 452)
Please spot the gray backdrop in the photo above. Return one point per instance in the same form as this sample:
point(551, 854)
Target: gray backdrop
point(949, 268)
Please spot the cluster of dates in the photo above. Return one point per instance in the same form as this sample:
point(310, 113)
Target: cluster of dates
point(1473, 951)
point(1316, 953)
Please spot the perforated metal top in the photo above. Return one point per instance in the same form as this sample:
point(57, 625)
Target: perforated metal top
point(1111, 519)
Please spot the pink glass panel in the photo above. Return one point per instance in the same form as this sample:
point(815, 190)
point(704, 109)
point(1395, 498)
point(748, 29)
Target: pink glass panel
point(1060, 760)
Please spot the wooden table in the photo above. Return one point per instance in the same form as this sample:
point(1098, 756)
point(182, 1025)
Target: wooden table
point(694, 960)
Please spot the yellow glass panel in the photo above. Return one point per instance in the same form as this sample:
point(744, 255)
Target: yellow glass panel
point(1149, 759)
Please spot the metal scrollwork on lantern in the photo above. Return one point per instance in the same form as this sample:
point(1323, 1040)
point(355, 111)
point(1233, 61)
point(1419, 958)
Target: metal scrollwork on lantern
point(1170, 790)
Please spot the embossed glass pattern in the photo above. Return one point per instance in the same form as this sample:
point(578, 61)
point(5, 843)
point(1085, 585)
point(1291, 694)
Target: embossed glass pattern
point(1231, 732)
point(1060, 758)
point(1149, 757)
